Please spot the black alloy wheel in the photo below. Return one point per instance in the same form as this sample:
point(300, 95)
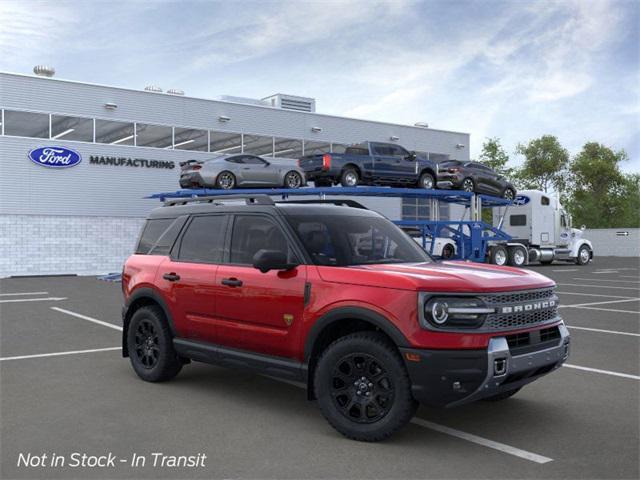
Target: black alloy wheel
point(146, 344)
point(361, 388)
point(468, 185)
point(293, 180)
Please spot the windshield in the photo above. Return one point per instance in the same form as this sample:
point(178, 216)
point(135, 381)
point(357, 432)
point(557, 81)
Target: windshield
point(338, 240)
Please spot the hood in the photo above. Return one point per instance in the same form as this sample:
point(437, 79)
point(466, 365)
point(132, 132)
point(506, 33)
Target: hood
point(438, 277)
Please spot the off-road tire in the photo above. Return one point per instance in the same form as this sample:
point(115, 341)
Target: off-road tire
point(150, 322)
point(378, 354)
point(502, 396)
point(346, 176)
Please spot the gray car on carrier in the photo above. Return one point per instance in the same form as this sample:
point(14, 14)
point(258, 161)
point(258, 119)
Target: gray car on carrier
point(241, 170)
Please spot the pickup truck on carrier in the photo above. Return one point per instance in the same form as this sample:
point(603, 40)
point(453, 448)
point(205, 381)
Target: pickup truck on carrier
point(371, 163)
point(336, 297)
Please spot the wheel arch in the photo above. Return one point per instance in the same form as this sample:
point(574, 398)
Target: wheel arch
point(354, 166)
point(338, 323)
point(428, 170)
point(142, 297)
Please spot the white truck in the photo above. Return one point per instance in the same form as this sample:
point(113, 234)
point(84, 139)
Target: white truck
point(541, 231)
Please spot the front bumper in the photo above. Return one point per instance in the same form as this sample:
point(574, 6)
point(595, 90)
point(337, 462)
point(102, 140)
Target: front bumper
point(448, 378)
point(449, 180)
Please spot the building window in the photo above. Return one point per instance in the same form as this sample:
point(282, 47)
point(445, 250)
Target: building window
point(287, 148)
point(114, 133)
point(191, 139)
point(156, 136)
point(26, 124)
point(71, 128)
point(225, 143)
point(258, 145)
point(313, 148)
point(415, 209)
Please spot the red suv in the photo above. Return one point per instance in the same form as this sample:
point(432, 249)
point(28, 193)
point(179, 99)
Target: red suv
point(337, 297)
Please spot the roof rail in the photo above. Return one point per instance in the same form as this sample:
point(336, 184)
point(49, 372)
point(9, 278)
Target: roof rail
point(260, 199)
point(339, 202)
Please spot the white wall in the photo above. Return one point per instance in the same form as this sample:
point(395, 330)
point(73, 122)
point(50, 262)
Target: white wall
point(612, 241)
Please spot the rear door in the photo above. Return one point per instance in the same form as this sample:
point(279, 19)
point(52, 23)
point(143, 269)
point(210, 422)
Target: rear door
point(383, 161)
point(256, 311)
point(188, 277)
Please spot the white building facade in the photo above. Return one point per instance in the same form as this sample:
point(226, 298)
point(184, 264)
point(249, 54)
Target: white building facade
point(85, 219)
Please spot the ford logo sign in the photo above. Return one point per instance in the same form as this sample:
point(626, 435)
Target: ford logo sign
point(521, 200)
point(55, 157)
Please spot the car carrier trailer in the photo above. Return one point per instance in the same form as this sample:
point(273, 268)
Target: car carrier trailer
point(469, 238)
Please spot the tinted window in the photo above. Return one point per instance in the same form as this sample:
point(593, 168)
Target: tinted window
point(518, 220)
point(342, 241)
point(152, 231)
point(251, 160)
point(357, 151)
point(235, 159)
point(544, 201)
point(252, 233)
point(163, 245)
point(204, 239)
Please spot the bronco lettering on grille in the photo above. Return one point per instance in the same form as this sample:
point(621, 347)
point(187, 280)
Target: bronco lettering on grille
point(529, 307)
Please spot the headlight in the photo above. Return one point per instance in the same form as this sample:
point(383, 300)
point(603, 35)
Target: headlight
point(454, 312)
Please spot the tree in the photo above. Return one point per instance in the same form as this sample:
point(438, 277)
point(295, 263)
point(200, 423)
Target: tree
point(601, 195)
point(545, 164)
point(494, 156)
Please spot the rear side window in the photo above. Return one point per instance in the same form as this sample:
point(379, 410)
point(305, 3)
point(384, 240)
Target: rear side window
point(357, 151)
point(151, 233)
point(544, 201)
point(518, 220)
point(203, 241)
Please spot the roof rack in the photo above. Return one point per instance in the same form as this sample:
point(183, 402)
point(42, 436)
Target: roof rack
point(338, 202)
point(259, 199)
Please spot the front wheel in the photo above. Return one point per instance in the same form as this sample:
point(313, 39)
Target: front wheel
point(293, 179)
point(426, 181)
point(584, 255)
point(150, 346)
point(363, 388)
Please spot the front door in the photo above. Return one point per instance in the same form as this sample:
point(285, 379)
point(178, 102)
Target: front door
point(258, 311)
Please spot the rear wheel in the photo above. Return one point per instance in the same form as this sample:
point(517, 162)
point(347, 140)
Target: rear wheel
point(293, 179)
point(517, 256)
point(499, 255)
point(502, 396)
point(426, 181)
point(349, 178)
point(584, 255)
point(509, 194)
point(363, 388)
point(150, 346)
point(448, 251)
point(468, 185)
point(226, 180)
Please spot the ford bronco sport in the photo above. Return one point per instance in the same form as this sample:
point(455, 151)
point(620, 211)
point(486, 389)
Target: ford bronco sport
point(337, 297)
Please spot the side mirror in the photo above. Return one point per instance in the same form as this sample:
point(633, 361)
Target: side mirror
point(265, 260)
point(412, 156)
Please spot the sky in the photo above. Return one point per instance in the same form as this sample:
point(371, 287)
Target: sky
point(515, 70)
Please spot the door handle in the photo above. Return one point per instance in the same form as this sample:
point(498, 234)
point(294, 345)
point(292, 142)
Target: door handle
point(172, 277)
point(231, 282)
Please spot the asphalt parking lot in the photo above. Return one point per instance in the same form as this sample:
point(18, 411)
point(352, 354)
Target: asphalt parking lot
point(581, 421)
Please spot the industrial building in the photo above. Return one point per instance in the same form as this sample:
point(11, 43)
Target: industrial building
point(85, 219)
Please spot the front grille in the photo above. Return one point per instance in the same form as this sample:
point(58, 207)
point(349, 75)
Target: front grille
point(517, 297)
point(549, 334)
point(518, 340)
point(522, 319)
point(528, 342)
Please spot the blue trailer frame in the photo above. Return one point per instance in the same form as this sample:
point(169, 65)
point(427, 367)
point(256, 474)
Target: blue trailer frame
point(472, 237)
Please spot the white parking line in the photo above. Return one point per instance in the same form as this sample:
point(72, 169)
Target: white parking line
point(23, 293)
point(567, 270)
point(610, 310)
point(604, 331)
point(628, 276)
point(604, 272)
point(88, 319)
point(605, 280)
point(592, 295)
point(598, 303)
point(533, 457)
point(485, 442)
point(19, 300)
point(606, 372)
point(57, 354)
point(598, 286)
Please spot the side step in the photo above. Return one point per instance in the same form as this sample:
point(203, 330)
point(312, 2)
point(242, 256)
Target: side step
point(230, 357)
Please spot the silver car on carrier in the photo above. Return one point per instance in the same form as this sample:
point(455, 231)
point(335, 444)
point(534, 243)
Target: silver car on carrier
point(241, 170)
